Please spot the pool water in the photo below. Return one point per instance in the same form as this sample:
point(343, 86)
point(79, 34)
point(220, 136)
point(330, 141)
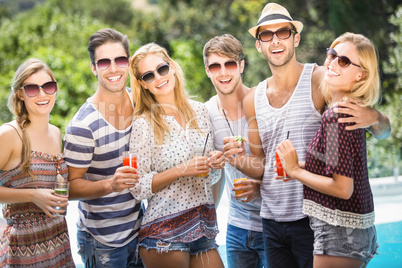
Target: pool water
point(389, 236)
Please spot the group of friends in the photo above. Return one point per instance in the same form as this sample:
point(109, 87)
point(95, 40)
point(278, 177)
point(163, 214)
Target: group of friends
point(163, 213)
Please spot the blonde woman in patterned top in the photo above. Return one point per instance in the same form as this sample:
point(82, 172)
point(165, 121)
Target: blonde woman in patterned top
point(337, 195)
point(30, 162)
point(179, 226)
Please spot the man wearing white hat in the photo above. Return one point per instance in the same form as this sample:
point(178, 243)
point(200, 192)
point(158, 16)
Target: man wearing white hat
point(286, 105)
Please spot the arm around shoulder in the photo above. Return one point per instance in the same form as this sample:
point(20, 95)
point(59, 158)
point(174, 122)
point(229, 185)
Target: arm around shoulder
point(382, 129)
point(364, 117)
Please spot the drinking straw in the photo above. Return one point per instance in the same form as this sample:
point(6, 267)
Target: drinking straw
point(205, 145)
point(129, 159)
point(288, 135)
point(227, 122)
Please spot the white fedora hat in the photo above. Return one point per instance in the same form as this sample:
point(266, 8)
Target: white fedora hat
point(273, 14)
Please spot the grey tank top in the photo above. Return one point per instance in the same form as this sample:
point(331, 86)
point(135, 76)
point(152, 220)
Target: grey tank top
point(282, 201)
point(241, 215)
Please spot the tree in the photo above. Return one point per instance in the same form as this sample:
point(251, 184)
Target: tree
point(385, 155)
point(57, 31)
point(58, 39)
point(117, 13)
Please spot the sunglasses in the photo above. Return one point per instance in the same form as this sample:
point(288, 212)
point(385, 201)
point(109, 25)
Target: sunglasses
point(266, 36)
point(216, 67)
point(162, 70)
point(343, 61)
point(32, 90)
point(103, 64)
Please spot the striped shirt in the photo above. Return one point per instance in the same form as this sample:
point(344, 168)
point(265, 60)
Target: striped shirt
point(282, 201)
point(92, 142)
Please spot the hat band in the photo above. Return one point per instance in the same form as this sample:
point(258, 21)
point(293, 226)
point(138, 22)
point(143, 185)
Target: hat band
point(274, 17)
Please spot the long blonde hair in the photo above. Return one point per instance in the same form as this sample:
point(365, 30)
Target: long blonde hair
point(146, 104)
point(367, 90)
point(17, 106)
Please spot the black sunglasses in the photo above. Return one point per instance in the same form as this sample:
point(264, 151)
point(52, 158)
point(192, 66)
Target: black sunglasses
point(32, 90)
point(103, 64)
point(266, 36)
point(162, 70)
point(216, 67)
point(343, 61)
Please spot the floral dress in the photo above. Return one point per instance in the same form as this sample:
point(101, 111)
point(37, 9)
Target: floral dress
point(31, 238)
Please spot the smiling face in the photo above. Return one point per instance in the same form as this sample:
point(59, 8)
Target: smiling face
point(41, 104)
point(341, 79)
point(114, 78)
point(225, 81)
point(162, 86)
point(278, 52)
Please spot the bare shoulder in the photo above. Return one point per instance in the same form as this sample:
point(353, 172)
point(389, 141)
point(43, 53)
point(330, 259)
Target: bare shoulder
point(318, 74)
point(248, 103)
point(10, 144)
point(318, 97)
point(55, 130)
point(249, 98)
point(10, 132)
point(56, 133)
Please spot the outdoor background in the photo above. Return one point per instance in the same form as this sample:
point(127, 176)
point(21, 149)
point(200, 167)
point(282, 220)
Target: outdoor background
point(57, 32)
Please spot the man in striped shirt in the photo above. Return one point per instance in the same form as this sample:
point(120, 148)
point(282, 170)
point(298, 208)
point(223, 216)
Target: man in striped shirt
point(109, 216)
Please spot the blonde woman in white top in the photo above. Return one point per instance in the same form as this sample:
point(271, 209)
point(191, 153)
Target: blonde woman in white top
point(179, 225)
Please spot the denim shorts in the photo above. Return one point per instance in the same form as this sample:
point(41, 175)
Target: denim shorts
point(201, 245)
point(341, 241)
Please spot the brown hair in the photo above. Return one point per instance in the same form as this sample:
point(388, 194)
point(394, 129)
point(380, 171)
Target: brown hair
point(104, 36)
point(17, 106)
point(224, 45)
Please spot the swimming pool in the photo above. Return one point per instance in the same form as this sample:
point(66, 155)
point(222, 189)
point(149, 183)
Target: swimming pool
point(388, 209)
point(390, 241)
